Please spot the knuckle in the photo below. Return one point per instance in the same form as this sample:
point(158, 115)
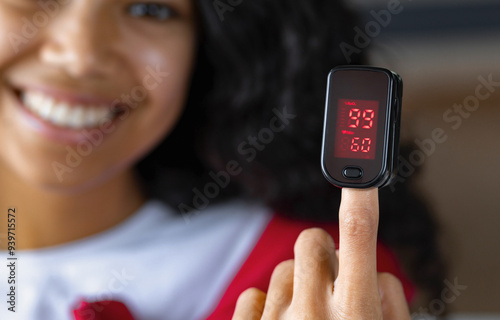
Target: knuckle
point(251, 294)
point(282, 276)
point(359, 223)
point(277, 301)
point(390, 288)
point(314, 250)
point(316, 242)
point(284, 268)
point(305, 311)
point(251, 301)
point(312, 233)
point(388, 280)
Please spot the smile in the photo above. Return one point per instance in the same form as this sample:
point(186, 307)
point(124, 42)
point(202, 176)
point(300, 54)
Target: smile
point(64, 114)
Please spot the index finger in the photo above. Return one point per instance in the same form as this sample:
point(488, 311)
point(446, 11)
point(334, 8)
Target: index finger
point(358, 223)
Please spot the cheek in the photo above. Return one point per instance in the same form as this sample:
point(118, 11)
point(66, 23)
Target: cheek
point(16, 33)
point(9, 25)
point(12, 45)
point(166, 79)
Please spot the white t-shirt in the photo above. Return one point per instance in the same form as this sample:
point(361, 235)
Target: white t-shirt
point(159, 263)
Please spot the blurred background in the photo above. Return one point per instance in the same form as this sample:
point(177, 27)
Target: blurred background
point(444, 50)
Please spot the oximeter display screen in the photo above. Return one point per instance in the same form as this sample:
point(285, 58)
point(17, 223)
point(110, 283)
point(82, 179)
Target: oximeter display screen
point(361, 128)
point(356, 130)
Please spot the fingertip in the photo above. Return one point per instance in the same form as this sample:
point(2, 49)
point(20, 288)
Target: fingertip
point(394, 305)
point(251, 294)
point(250, 305)
point(314, 239)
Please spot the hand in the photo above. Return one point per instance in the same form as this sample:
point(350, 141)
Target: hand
point(322, 284)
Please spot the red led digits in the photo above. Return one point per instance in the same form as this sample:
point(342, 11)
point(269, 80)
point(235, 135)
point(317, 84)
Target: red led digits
point(354, 117)
point(368, 116)
point(356, 129)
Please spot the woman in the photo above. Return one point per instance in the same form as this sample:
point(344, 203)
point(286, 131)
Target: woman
point(92, 87)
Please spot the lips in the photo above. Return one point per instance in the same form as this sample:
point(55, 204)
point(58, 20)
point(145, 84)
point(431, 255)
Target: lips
point(65, 115)
point(67, 109)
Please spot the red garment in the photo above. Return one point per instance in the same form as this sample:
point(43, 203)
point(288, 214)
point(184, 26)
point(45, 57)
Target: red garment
point(102, 310)
point(275, 245)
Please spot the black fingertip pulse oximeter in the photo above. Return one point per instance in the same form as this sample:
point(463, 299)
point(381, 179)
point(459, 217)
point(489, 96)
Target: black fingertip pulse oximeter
point(361, 127)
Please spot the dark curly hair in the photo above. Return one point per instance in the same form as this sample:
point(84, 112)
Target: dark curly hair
point(258, 58)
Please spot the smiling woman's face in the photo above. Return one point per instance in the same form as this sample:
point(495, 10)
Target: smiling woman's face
point(67, 67)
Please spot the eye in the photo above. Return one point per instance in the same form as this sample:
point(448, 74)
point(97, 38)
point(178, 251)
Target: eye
point(154, 11)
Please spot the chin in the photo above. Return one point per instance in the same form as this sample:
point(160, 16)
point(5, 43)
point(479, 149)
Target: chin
point(70, 181)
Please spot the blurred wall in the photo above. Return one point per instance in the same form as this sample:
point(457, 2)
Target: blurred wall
point(444, 50)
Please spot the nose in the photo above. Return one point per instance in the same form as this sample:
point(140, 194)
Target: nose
point(80, 41)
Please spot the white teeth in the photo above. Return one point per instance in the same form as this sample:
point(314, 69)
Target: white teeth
point(44, 112)
point(58, 115)
point(76, 117)
point(64, 115)
point(90, 117)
